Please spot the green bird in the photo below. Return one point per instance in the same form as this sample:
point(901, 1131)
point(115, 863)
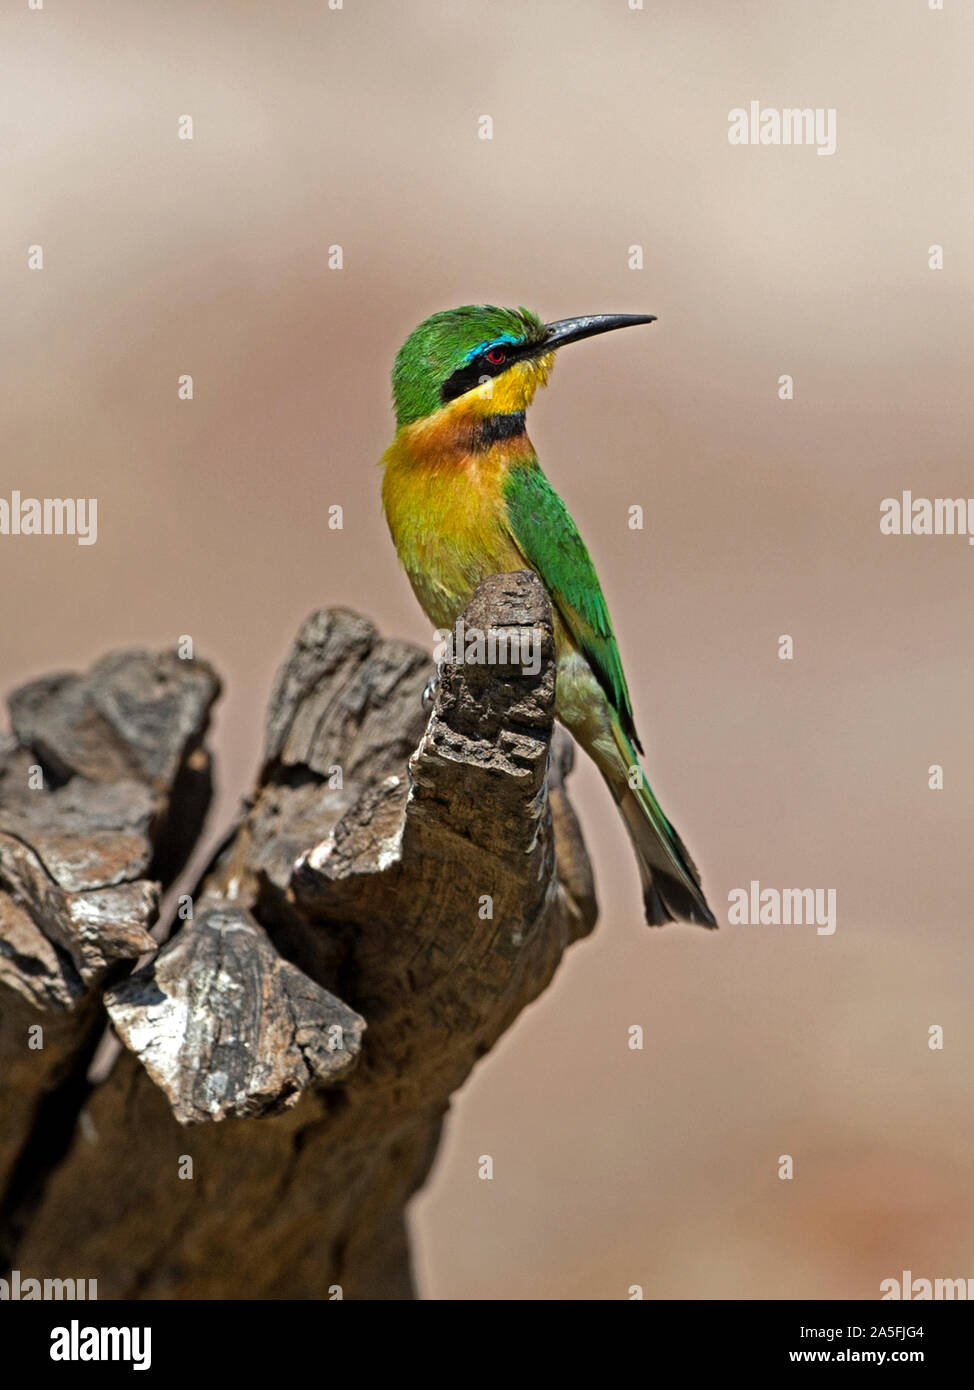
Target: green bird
point(465, 497)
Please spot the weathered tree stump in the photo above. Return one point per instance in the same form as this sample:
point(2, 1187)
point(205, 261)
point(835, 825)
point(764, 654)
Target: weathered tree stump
point(398, 888)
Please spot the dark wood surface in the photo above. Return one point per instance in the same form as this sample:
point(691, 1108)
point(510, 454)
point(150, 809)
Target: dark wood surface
point(402, 881)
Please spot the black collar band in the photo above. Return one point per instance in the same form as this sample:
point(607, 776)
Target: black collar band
point(493, 429)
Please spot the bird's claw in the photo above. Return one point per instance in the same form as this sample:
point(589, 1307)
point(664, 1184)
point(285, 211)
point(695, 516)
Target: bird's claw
point(429, 694)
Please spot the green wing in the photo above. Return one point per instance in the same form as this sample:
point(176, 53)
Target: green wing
point(548, 539)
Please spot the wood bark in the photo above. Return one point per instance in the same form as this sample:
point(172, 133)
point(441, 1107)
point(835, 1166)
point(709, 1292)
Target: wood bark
point(402, 881)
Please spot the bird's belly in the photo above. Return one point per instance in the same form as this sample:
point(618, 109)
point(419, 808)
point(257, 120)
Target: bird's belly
point(580, 702)
point(442, 595)
point(581, 705)
point(445, 580)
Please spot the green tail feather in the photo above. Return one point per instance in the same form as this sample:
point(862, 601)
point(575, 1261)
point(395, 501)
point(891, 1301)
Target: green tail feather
point(671, 884)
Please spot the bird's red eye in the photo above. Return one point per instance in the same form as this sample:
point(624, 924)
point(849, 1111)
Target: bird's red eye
point(496, 356)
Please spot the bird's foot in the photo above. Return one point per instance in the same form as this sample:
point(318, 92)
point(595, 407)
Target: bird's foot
point(429, 694)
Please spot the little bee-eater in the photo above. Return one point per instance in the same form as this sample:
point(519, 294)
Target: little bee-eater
point(465, 498)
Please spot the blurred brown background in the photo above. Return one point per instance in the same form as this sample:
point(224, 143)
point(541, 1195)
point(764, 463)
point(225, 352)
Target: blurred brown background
point(359, 127)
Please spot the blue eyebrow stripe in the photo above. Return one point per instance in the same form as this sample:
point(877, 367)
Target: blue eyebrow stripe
point(491, 342)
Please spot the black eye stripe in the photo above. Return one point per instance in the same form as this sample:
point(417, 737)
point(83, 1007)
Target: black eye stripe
point(470, 375)
point(467, 378)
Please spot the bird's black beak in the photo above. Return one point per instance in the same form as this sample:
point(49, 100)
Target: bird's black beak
point(572, 330)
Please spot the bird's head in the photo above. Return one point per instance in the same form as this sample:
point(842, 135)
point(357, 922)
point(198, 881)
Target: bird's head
point(492, 359)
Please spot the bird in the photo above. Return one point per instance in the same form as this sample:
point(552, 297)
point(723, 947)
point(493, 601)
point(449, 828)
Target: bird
point(465, 497)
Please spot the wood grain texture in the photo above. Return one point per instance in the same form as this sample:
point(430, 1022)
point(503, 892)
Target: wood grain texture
point(402, 882)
